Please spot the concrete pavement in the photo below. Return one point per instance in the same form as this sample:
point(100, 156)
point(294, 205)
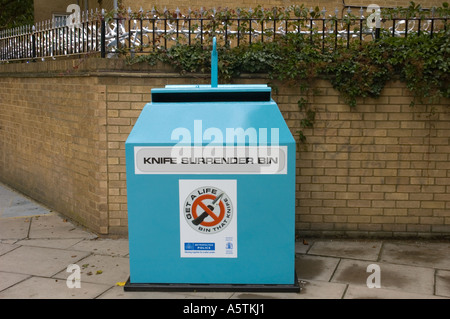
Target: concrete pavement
point(37, 246)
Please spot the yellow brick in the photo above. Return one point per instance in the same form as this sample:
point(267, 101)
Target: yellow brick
point(375, 116)
point(119, 105)
point(432, 220)
point(433, 204)
point(130, 97)
point(382, 219)
point(118, 88)
point(399, 100)
point(400, 116)
point(359, 219)
point(386, 140)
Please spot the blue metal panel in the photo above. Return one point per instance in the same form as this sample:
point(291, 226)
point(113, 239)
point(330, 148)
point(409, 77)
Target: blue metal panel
point(265, 236)
point(158, 120)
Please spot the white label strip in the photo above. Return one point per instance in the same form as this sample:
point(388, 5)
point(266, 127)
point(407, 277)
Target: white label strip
point(210, 159)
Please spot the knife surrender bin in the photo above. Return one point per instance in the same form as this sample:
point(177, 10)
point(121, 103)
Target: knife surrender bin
point(211, 192)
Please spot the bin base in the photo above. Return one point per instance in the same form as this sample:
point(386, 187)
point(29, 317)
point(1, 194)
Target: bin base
point(295, 287)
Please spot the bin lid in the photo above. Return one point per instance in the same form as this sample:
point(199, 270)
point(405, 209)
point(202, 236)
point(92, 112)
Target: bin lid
point(168, 123)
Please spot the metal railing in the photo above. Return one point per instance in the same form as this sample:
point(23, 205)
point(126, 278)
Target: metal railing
point(144, 32)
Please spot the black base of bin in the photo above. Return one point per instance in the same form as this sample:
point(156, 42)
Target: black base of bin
point(295, 287)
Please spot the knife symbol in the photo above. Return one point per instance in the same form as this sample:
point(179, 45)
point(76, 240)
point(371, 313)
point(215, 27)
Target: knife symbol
point(211, 207)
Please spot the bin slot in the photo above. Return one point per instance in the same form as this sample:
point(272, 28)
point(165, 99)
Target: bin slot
point(214, 96)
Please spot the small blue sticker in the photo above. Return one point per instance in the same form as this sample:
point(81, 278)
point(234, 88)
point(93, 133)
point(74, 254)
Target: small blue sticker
point(199, 246)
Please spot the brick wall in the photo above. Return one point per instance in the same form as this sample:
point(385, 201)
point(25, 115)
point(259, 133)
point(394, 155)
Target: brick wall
point(53, 140)
point(380, 169)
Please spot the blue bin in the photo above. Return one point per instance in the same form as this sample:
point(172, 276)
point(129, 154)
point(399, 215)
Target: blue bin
point(211, 192)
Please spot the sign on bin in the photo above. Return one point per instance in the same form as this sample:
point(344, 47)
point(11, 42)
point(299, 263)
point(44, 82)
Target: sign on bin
point(211, 159)
point(208, 218)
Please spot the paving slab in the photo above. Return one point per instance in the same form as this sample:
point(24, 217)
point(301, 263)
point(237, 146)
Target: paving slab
point(60, 243)
point(101, 269)
point(360, 292)
point(302, 247)
point(9, 279)
point(54, 226)
point(434, 255)
point(101, 246)
point(23, 207)
point(315, 267)
point(39, 261)
point(354, 249)
point(443, 283)
point(14, 228)
point(311, 289)
point(117, 292)
point(6, 195)
point(5, 247)
point(49, 288)
point(315, 289)
point(14, 204)
point(397, 277)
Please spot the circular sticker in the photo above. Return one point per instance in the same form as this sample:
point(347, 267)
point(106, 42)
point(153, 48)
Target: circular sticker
point(208, 210)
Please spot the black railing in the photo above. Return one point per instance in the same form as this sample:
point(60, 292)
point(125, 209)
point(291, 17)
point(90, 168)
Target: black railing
point(134, 33)
point(50, 39)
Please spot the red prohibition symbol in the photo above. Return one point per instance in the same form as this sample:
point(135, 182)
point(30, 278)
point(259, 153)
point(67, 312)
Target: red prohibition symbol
point(203, 202)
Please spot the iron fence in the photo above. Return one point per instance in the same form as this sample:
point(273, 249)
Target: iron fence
point(134, 33)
